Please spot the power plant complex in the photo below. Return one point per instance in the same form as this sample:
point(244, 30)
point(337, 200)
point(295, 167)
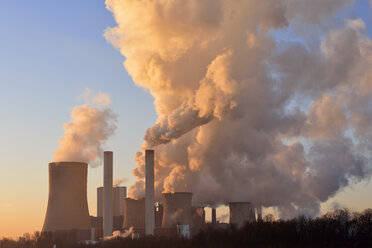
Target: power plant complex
point(67, 211)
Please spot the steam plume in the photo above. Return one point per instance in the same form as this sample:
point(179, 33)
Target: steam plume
point(91, 125)
point(251, 108)
point(120, 181)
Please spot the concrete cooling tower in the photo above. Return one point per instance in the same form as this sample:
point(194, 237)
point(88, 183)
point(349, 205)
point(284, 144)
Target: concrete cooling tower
point(134, 213)
point(177, 209)
point(241, 212)
point(67, 204)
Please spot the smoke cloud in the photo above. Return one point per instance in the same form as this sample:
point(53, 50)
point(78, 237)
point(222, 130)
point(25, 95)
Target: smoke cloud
point(250, 108)
point(90, 127)
point(118, 234)
point(120, 181)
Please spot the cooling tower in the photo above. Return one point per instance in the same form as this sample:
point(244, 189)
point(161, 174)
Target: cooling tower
point(177, 209)
point(67, 204)
point(241, 212)
point(150, 198)
point(108, 222)
point(134, 213)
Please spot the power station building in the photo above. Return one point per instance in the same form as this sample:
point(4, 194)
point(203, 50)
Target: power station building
point(67, 210)
point(120, 193)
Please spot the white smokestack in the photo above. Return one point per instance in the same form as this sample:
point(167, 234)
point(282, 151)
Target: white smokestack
point(107, 194)
point(150, 201)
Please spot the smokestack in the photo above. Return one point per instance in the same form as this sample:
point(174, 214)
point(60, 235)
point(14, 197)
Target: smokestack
point(150, 198)
point(67, 204)
point(177, 209)
point(241, 212)
point(259, 213)
point(100, 202)
point(107, 194)
point(214, 217)
point(134, 213)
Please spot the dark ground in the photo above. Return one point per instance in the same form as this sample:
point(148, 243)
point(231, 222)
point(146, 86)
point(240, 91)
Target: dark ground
point(336, 229)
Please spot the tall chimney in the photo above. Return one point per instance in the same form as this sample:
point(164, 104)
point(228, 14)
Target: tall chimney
point(214, 216)
point(259, 213)
point(150, 198)
point(107, 194)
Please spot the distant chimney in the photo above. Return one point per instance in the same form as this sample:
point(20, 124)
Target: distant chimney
point(100, 202)
point(214, 216)
point(107, 194)
point(259, 213)
point(150, 198)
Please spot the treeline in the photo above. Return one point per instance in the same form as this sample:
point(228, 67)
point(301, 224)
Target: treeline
point(340, 228)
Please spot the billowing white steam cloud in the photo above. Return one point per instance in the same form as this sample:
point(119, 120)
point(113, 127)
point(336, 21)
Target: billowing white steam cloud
point(92, 124)
point(250, 108)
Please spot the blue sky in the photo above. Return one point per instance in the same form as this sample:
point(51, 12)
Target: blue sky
point(50, 51)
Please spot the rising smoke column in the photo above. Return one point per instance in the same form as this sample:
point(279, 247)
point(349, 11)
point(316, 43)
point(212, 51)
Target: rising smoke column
point(246, 114)
point(90, 127)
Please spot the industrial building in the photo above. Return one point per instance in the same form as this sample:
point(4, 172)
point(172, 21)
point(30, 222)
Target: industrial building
point(241, 212)
point(120, 193)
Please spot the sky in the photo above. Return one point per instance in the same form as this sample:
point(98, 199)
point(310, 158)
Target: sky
point(50, 52)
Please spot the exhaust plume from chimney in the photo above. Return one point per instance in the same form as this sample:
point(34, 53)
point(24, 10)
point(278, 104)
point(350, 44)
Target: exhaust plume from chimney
point(120, 181)
point(246, 100)
point(92, 124)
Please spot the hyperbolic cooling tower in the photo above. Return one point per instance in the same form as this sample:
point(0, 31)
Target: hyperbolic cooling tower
point(67, 204)
point(177, 209)
point(134, 213)
point(241, 212)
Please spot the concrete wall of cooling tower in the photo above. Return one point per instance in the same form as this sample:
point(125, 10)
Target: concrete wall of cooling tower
point(67, 204)
point(177, 209)
point(120, 193)
point(241, 212)
point(134, 213)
